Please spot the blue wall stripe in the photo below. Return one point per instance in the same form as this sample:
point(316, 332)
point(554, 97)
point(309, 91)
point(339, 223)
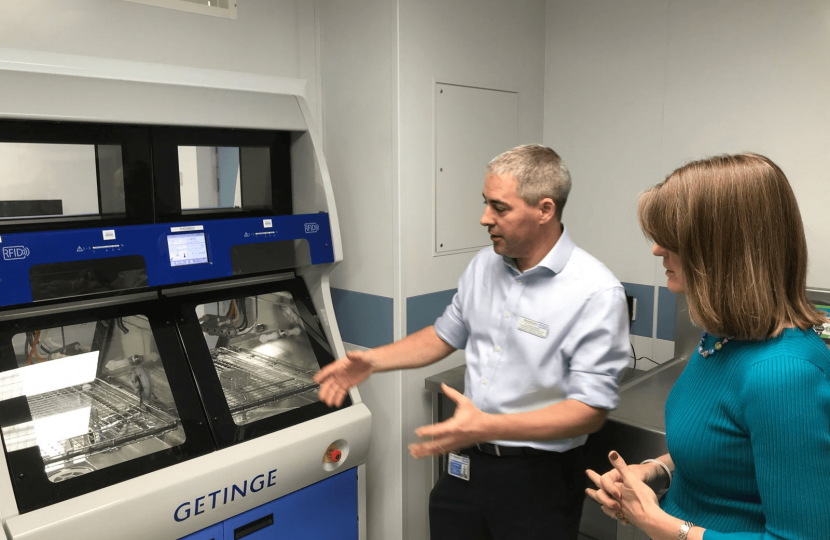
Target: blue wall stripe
point(367, 319)
point(364, 319)
point(666, 313)
point(644, 323)
point(422, 310)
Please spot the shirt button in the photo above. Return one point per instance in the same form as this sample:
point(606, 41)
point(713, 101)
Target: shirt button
point(506, 314)
point(519, 281)
point(484, 381)
point(498, 349)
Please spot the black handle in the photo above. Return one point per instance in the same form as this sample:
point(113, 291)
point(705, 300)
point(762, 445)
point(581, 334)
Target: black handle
point(254, 526)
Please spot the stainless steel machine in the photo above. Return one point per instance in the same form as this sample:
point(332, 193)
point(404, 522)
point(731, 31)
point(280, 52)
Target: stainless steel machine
point(167, 237)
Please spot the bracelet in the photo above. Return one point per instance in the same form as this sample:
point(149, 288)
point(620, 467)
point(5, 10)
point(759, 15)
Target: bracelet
point(665, 468)
point(683, 534)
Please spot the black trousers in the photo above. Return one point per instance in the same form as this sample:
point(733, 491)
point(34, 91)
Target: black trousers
point(511, 498)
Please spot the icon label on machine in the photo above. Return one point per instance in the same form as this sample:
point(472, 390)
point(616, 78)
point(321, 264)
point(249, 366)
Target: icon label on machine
point(13, 253)
point(187, 228)
point(109, 234)
point(312, 227)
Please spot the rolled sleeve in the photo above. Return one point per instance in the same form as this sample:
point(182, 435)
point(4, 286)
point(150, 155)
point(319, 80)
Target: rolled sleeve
point(450, 326)
point(599, 350)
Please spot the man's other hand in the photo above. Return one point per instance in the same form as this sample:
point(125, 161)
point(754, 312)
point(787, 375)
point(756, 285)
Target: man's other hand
point(466, 427)
point(337, 378)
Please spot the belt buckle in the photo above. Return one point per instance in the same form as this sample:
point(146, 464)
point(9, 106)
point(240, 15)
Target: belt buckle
point(498, 452)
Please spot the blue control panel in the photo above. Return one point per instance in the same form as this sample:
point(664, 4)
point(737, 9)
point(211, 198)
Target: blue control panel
point(173, 253)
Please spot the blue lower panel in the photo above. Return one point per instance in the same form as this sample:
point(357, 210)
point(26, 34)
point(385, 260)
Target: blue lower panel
point(214, 532)
point(321, 511)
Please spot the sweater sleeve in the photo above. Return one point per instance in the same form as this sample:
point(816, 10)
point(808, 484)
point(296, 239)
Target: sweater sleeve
point(787, 412)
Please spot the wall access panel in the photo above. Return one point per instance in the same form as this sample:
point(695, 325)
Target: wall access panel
point(472, 126)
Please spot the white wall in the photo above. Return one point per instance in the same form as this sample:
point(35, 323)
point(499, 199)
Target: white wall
point(358, 72)
point(636, 88)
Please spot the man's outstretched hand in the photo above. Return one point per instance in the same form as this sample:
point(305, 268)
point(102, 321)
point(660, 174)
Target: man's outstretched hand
point(337, 378)
point(467, 427)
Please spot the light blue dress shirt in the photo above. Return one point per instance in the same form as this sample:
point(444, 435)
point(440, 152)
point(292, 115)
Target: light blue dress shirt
point(554, 332)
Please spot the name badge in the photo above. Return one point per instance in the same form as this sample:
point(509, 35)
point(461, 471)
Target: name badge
point(459, 466)
point(532, 327)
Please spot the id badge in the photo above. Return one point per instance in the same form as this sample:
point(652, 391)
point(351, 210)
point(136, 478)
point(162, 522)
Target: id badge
point(459, 466)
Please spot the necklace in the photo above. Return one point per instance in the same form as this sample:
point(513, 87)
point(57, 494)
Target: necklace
point(706, 353)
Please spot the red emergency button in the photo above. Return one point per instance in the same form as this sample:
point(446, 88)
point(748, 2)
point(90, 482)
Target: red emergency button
point(333, 454)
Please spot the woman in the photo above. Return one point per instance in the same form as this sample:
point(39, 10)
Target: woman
point(748, 421)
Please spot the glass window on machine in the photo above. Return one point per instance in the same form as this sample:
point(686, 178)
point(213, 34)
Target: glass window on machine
point(46, 180)
point(262, 354)
point(214, 177)
point(97, 395)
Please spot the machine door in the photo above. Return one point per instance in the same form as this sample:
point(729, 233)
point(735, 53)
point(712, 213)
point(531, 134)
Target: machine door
point(254, 351)
point(94, 397)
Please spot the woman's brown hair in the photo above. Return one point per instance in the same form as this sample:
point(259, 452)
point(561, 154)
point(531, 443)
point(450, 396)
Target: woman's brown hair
point(735, 225)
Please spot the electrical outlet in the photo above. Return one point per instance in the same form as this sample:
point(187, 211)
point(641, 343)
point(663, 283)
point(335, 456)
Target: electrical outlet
point(632, 307)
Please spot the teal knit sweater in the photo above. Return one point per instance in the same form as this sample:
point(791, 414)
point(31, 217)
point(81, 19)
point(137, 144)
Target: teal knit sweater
point(749, 432)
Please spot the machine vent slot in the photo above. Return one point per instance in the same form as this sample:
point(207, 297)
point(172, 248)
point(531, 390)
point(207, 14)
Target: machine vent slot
point(254, 526)
point(269, 256)
point(77, 278)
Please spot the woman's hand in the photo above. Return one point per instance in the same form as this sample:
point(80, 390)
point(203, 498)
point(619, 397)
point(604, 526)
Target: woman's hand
point(608, 492)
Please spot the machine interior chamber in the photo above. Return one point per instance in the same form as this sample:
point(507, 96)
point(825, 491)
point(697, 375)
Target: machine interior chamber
point(97, 392)
point(262, 354)
point(89, 398)
point(258, 347)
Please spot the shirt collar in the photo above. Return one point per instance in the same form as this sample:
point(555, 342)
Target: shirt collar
point(557, 257)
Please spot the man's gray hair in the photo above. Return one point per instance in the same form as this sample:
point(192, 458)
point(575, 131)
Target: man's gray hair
point(539, 171)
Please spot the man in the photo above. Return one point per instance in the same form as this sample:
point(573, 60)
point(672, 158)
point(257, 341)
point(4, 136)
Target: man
point(545, 330)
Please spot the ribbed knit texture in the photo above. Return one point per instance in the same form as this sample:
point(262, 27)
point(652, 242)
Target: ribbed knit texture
point(749, 432)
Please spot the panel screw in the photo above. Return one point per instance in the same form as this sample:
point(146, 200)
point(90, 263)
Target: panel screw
point(325, 245)
point(441, 92)
point(21, 476)
point(442, 245)
point(442, 170)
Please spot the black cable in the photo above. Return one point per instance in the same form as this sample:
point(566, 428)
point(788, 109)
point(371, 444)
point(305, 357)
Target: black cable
point(641, 357)
point(120, 324)
point(243, 312)
point(634, 354)
point(650, 360)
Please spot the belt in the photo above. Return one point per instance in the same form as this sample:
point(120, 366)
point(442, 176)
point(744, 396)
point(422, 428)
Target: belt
point(509, 451)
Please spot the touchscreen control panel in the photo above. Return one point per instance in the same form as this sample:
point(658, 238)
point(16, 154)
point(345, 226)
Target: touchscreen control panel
point(187, 249)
